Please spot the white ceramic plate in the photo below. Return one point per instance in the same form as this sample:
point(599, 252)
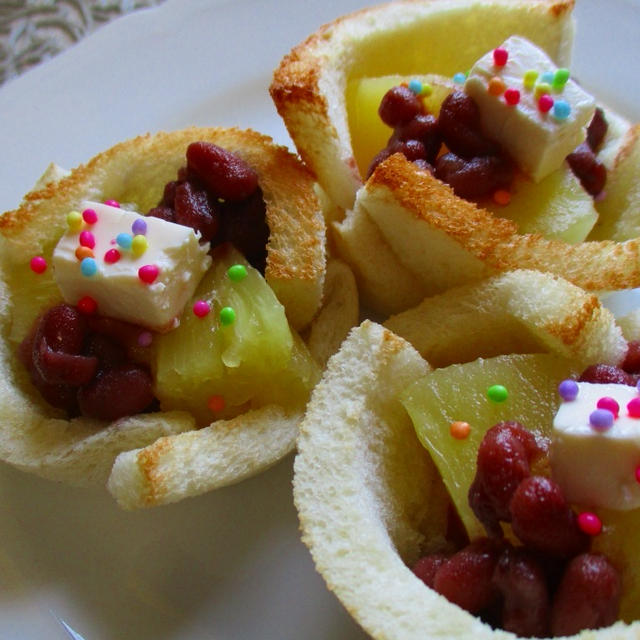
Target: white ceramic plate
point(229, 564)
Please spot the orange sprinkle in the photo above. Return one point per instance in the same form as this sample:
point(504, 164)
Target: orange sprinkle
point(460, 429)
point(84, 252)
point(216, 403)
point(502, 196)
point(496, 86)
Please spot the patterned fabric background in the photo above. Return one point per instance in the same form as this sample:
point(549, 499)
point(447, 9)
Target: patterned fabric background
point(34, 30)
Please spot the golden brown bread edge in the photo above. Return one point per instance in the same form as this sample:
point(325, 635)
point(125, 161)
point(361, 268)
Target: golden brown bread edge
point(308, 87)
point(37, 438)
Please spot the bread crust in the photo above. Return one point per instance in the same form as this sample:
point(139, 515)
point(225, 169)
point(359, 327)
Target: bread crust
point(37, 438)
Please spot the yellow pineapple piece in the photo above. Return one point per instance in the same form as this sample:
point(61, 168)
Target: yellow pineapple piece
point(369, 134)
point(217, 370)
point(618, 209)
point(556, 207)
point(459, 393)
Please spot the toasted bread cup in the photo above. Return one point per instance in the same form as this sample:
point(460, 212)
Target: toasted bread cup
point(160, 466)
point(406, 37)
point(370, 499)
point(430, 240)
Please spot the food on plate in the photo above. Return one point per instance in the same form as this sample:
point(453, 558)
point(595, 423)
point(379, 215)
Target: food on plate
point(496, 159)
point(428, 497)
point(151, 304)
point(310, 85)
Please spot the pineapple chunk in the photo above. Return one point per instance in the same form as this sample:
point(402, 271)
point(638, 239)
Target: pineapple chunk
point(458, 393)
point(369, 134)
point(619, 219)
point(556, 207)
point(254, 361)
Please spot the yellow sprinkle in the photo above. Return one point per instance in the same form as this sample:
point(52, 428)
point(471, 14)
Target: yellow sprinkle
point(427, 90)
point(529, 78)
point(139, 244)
point(541, 88)
point(74, 220)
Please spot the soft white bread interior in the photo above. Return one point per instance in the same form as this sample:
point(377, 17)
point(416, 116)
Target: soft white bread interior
point(404, 37)
point(370, 501)
point(37, 438)
point(514, 312)
point(444, 241)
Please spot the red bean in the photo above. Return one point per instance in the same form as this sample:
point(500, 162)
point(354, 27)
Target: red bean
point(116, 392)
point(631, 362)
point(423, 127)
point(542, 519)
point(225, 174)
point(57, 367)
point(193, 209)
point(591, 173)
point(588, 596)
point(459, 125)
point(425, 568)
point(522, 583)
point(597, 130)
point(163, 212)
point(466, 578)
point(605, 373)
point(503, 461)
point(474, 178)
point(399, 105)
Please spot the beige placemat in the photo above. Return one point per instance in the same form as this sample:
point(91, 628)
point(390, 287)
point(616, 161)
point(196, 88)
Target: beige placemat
point(33, 30)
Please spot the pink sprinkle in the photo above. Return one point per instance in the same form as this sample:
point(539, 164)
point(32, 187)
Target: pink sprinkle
point(90, 216)
point(633, 408)
point(545, 102)
point(589, 523)
point(201, 308)
point(148, 273)
point(112, 256)
point(112, 203)
point(500, 56)
point(38, 264)
point(87, 239)
point(638, 473)
point(512, 96)
point(145, 338)
point(87, 305)
point(610, 404)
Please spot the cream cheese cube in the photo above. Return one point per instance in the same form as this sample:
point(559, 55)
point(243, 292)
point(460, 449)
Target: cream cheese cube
point(538, 142)
point(597, 468)
point(170, 256)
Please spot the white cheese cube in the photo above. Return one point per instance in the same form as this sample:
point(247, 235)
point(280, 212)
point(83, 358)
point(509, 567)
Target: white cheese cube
point(146, 280)
point(537, 141)
point(597, 467)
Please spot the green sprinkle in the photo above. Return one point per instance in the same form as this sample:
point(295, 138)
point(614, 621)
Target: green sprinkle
point(497, 393)
point(427, 90)
point(529, 78)
point(237, 272)
point(227, 316)
point(560, 78)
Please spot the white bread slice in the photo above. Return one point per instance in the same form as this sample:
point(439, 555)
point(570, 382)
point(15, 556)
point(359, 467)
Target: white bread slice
point(445, 241)
point(36, 438)
point(369, 500)
point(406, 37)
point(515, 312)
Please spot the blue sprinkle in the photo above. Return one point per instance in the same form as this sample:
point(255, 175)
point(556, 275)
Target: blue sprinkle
point(568, 389)
point(124, 240)
point(601, 419)
point(89, 267)
point(547, 77)
point(561, 109)
point(415, 86)
point(459, 78)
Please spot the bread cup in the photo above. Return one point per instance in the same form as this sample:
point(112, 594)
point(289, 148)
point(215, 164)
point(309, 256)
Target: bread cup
point(405, 234)
point(166, 457)
point(370, 498)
